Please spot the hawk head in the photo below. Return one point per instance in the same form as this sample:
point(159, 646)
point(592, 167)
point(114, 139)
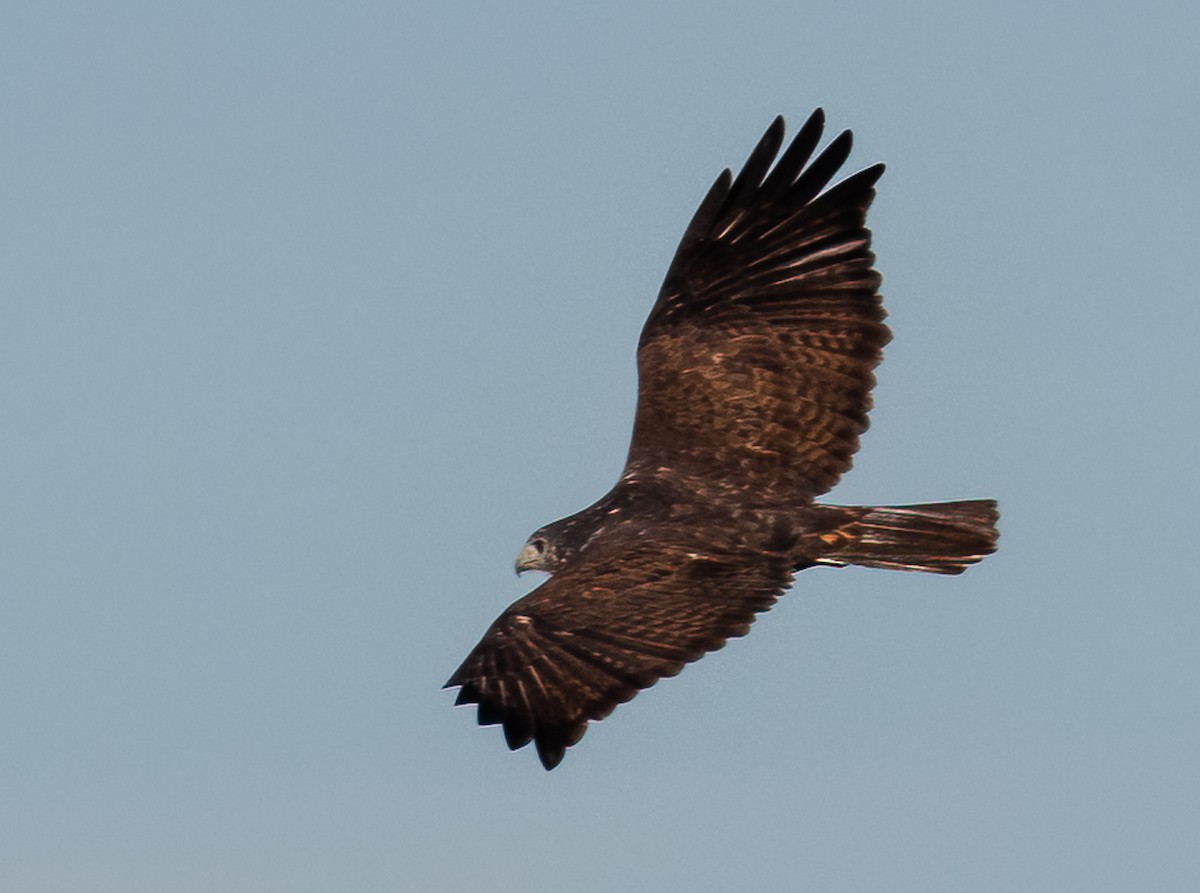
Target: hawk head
point(538, 554)
point(549, 548)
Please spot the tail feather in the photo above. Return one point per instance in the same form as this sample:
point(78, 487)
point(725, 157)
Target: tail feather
point(938, 537)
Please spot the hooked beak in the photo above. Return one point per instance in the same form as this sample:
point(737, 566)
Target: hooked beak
point(526, 559)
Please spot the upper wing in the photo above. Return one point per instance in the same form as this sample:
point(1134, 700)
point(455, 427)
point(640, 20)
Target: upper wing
point(597, 632)
point(755, 365)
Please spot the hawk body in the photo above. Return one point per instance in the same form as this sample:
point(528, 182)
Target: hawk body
point(755, 369)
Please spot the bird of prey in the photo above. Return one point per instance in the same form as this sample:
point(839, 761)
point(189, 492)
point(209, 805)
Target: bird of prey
point(755, 370)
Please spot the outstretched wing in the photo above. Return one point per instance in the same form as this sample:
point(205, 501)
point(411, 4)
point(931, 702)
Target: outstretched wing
point(755, 365)
point(600, 630)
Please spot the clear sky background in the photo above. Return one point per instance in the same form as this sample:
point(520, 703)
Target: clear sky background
point(312, 312)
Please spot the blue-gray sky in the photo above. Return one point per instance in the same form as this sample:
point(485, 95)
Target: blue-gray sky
point(309, 313)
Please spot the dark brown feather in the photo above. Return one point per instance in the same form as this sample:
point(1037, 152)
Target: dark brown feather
point(755, 365)
point(610, 625)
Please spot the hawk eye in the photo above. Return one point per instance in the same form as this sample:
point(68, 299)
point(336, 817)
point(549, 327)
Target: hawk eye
point(539, 545)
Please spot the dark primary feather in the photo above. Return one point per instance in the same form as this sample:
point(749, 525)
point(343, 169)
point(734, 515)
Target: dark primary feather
point(755, 365)
point(605, 627)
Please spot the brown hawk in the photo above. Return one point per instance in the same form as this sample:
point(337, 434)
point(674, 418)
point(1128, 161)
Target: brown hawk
point(755, 370)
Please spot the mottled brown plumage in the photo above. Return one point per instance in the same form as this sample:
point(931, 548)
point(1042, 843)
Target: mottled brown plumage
point(755, 365)
point(755, 369)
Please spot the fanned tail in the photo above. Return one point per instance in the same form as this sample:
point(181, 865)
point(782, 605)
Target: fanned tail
point(937, 537)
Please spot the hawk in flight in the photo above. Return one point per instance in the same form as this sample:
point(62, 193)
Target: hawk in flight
point(755, 370)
